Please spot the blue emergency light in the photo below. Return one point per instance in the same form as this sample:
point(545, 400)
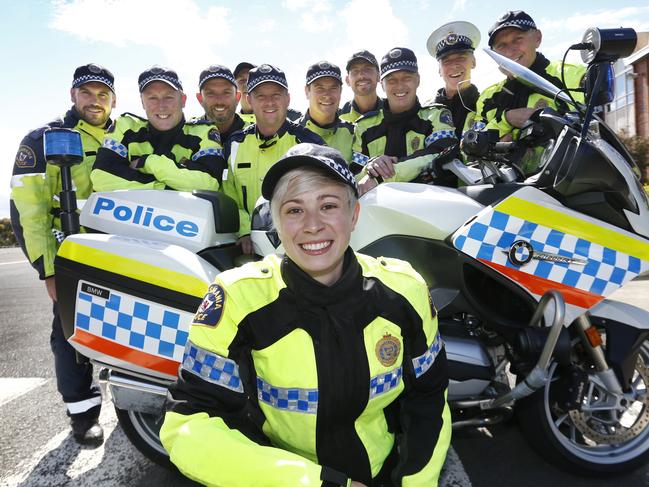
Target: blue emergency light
point(62, 146)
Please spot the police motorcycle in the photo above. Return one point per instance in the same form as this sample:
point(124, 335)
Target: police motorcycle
point(519, 269)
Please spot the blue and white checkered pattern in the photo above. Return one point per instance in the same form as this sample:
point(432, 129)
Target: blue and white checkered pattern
point(492, 234)
point(440, 134)
point(115, 146)
point(212, 151)
point(87, 78)
point(383, 383)
point(212, 367)
point(173, 81)
point(453, 42)
point(422, 363)
point(288, 399)
point(134, 322)
point(399, 65)
point(360, 158)
point(478, 125)
point(265, 78)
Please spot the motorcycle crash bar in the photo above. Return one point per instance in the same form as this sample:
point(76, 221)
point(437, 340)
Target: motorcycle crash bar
point(540, 374)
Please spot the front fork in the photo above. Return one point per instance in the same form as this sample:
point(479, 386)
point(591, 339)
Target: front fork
point(607, 376)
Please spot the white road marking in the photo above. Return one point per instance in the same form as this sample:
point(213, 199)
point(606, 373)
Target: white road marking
point(61, 461)
point(14, 262)
point(11, 388)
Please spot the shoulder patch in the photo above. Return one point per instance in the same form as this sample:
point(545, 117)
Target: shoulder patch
point(214, 135)
point(387, 350)
point(25, 158)
point(446, 117)
point(210, 311)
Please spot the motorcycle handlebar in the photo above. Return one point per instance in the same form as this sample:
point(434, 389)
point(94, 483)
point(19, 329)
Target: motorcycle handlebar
point(483, 143)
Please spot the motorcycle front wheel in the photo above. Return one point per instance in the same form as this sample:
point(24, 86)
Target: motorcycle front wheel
point(143, 430)
point(603, 436)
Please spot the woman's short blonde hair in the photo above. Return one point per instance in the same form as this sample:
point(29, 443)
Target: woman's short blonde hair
point(305, 179)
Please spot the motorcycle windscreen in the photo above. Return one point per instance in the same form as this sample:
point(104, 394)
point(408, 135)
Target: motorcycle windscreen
point(128, 303)
point(533, 240)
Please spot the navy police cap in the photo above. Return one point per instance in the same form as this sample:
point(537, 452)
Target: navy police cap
point(215, 71)
point(93, 72)
point(453, 37)
point(241, 66)
point(158, 73)
point(514, 18)
point(398, 59)
point(364, 55)
point(322, 69)
point(312, 155)
point(266, 73)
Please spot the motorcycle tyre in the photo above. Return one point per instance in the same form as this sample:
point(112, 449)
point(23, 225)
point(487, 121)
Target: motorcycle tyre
point(533, 421)
point(139, 433)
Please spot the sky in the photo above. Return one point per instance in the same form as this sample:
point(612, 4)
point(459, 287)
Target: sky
point(43, 41)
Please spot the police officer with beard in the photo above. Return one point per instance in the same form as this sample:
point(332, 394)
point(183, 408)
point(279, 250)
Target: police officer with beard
point(35, 218)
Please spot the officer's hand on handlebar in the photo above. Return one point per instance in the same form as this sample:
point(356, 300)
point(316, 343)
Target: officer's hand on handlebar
point(519, 116)
point(382, 166)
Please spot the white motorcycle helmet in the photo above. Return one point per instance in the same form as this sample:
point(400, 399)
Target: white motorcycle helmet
point(264, 237)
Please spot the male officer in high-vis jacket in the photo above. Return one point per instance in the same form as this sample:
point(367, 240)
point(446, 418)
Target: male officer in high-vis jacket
point(362, 77)
point(218, 95)
point(162, 151)
point(249, 154)
point(35, 218)
point(404, 141)
point(322, 367)
point(507, 105)
point(453, 44)
point(323, 88)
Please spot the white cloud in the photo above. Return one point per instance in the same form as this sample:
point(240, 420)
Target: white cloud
point(267, 25)
point(636, 17)
point(313, 22)
point(144, 22)
point(150, 23)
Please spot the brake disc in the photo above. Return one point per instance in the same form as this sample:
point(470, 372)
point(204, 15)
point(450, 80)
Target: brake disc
point(600, 432)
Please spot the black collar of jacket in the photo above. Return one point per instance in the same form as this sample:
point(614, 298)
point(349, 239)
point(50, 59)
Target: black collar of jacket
point(266, 142)
point(310, 292)
point(400, 117)
point(470, 96)
point(377, 107)
point(163, 141)
point(237, 124)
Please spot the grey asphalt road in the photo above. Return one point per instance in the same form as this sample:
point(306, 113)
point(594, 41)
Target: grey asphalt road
point(37, 450)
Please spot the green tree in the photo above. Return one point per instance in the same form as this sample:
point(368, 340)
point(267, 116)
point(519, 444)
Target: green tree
point(638, 147)
point(7, 238)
